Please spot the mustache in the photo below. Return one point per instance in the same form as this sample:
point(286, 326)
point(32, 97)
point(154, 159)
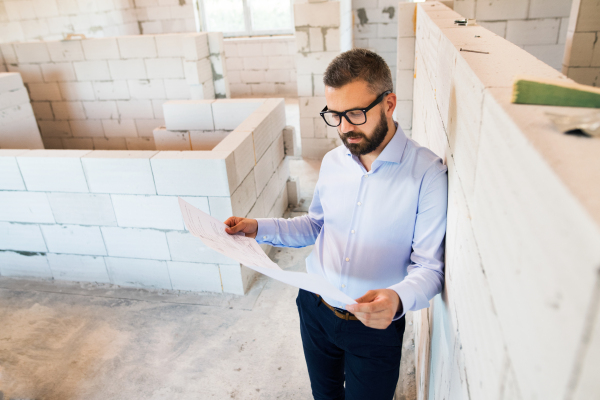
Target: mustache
point(354, 136)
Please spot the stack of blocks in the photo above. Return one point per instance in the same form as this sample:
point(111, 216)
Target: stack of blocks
point(522, 245)
point(108, 93)
point(323, 30)
point(261, 66)
point(113, 216)
point(19, 129)
point(405, 65)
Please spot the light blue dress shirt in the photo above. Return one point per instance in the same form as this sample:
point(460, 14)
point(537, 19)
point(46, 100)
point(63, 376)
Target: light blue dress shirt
point(379, 229)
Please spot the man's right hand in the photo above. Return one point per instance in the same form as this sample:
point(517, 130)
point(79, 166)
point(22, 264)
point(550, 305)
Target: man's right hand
point(247, 225)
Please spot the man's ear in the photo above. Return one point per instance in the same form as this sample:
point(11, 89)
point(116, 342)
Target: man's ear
point(390, 104)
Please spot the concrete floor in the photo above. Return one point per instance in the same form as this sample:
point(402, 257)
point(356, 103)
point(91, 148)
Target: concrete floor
point(69, 341)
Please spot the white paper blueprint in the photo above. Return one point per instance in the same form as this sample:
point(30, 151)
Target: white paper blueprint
point(246, 251)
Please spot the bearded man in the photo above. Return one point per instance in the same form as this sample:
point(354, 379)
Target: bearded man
point(377, 222)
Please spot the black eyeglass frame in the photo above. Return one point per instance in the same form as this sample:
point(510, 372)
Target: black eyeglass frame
point(341, 114)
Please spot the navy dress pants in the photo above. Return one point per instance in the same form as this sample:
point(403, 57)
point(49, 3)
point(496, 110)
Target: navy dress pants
point(339, 351)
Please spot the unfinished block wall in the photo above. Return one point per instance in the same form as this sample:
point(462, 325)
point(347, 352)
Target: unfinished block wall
point(113, 216)
point(538, 26)
point(18, 128)
point(405, 65)
point(261, 66)
point(582, 52)
point(323, 30)
point(518, 316)
point(108, 93)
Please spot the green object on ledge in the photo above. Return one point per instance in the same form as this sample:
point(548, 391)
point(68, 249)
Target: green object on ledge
point(531, 90)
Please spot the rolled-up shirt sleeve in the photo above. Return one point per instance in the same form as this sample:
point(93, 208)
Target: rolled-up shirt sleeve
point(294, 232)
point(425, 276)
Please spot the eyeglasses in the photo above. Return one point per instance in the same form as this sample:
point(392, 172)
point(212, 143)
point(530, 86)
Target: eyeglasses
point(355, 116)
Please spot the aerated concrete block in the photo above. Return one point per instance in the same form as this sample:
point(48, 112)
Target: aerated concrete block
point(82, 209)
point(78, 268)
point(53, 170)
point(138, 211)
point(150, 274)
point(230, 113)
point(21, 237)
point(74, 239)
point(122, 172)
point(185, 115)
point(24, 264)
point(10, 175)
point(195, 276)
point(136, 243)
point(171, 140)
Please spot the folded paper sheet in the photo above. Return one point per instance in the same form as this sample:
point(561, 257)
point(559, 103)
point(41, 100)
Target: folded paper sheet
point(246, 251)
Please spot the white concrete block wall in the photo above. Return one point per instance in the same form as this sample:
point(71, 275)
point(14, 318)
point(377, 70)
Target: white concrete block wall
point(17, 119)
point(113, 217)
point(581, 61)
point(260, 67)
point(510, 230)
point(110, 91)
point(538, 26)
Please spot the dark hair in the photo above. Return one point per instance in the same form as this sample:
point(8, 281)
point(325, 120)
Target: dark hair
point(361, 64)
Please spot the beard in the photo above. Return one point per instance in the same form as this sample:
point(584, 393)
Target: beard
point(367, 145)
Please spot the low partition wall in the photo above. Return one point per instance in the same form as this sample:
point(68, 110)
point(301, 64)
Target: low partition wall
point(519, 317)
point(113, 217)
point(107, 93)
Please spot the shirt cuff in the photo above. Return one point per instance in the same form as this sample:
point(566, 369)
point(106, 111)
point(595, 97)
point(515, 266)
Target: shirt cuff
point(406, 295)
point(266, 230)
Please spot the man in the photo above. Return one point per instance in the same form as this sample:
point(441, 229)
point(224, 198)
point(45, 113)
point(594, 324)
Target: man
point(378, 222)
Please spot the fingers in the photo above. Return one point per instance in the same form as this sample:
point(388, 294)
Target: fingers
point(236, 228)
point(231, 221)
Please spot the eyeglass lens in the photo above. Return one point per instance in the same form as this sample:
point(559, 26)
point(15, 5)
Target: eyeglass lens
point(355, 117)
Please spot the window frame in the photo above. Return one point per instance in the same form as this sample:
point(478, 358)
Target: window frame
point(201, 22)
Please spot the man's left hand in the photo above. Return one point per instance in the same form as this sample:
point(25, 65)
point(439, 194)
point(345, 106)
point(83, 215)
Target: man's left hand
point(376, 308)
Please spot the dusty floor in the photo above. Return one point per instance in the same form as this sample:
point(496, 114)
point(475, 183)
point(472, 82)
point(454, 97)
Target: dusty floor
point(70, 341)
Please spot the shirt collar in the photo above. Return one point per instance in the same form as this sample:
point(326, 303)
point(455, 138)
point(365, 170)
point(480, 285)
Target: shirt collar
point(394, 150)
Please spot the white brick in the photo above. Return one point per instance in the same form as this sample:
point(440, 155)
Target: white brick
point(100, 109)
point(119, 128)
point(164, 68)
point(76, 90)
point(202, 173)
point(21, 237)
point(171, 140)
point(25, 207)
point(73, 143)
point(316, 42)
point(197, 72)
point(32, 52)
point(220, 207)
point(541, 31)
point(53, 170)
point(101, 49)
point(74, 239)
point(244, 196)
point(10, 175)
point(242, 145)
point(92, 70)
point(65, 50)
point(78, 268)
point(158, 212)
point(187, 248)
point(146, 126)
point(24, 265)
point(138, 273)
point(136, 243)
point(256, 63)
point(207, 140)
point(119, 172)
point(157, 107)
point(57, 72)
point(24, 134)
point(229, 113)
point(177, 89)
point(195, 46)
point(82, 209)
point(140, 143)
point(134, 109)
point(317, 14)
point(10, 81)
point(86, 128)
point(231, 278)
point(146, 89)
point(8, 52)
point(113, 143)
point(314, 62)
point(263, 171)
point(44, 91)
point(195, 276)
point(234, 63)
point(111, 90)
point(30, 73)
point(127, 69)
point(188, 115)
point(67, 110)
point(42, 110)
point(138, 46)
point(170, 45)
point(13, 98)
point(274, 48)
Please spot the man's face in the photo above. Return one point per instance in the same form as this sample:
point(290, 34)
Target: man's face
point(359, 139)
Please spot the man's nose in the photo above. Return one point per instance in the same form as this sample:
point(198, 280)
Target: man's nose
point(346, 126)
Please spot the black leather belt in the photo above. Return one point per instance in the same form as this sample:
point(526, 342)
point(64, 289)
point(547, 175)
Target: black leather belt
point(343, 314)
